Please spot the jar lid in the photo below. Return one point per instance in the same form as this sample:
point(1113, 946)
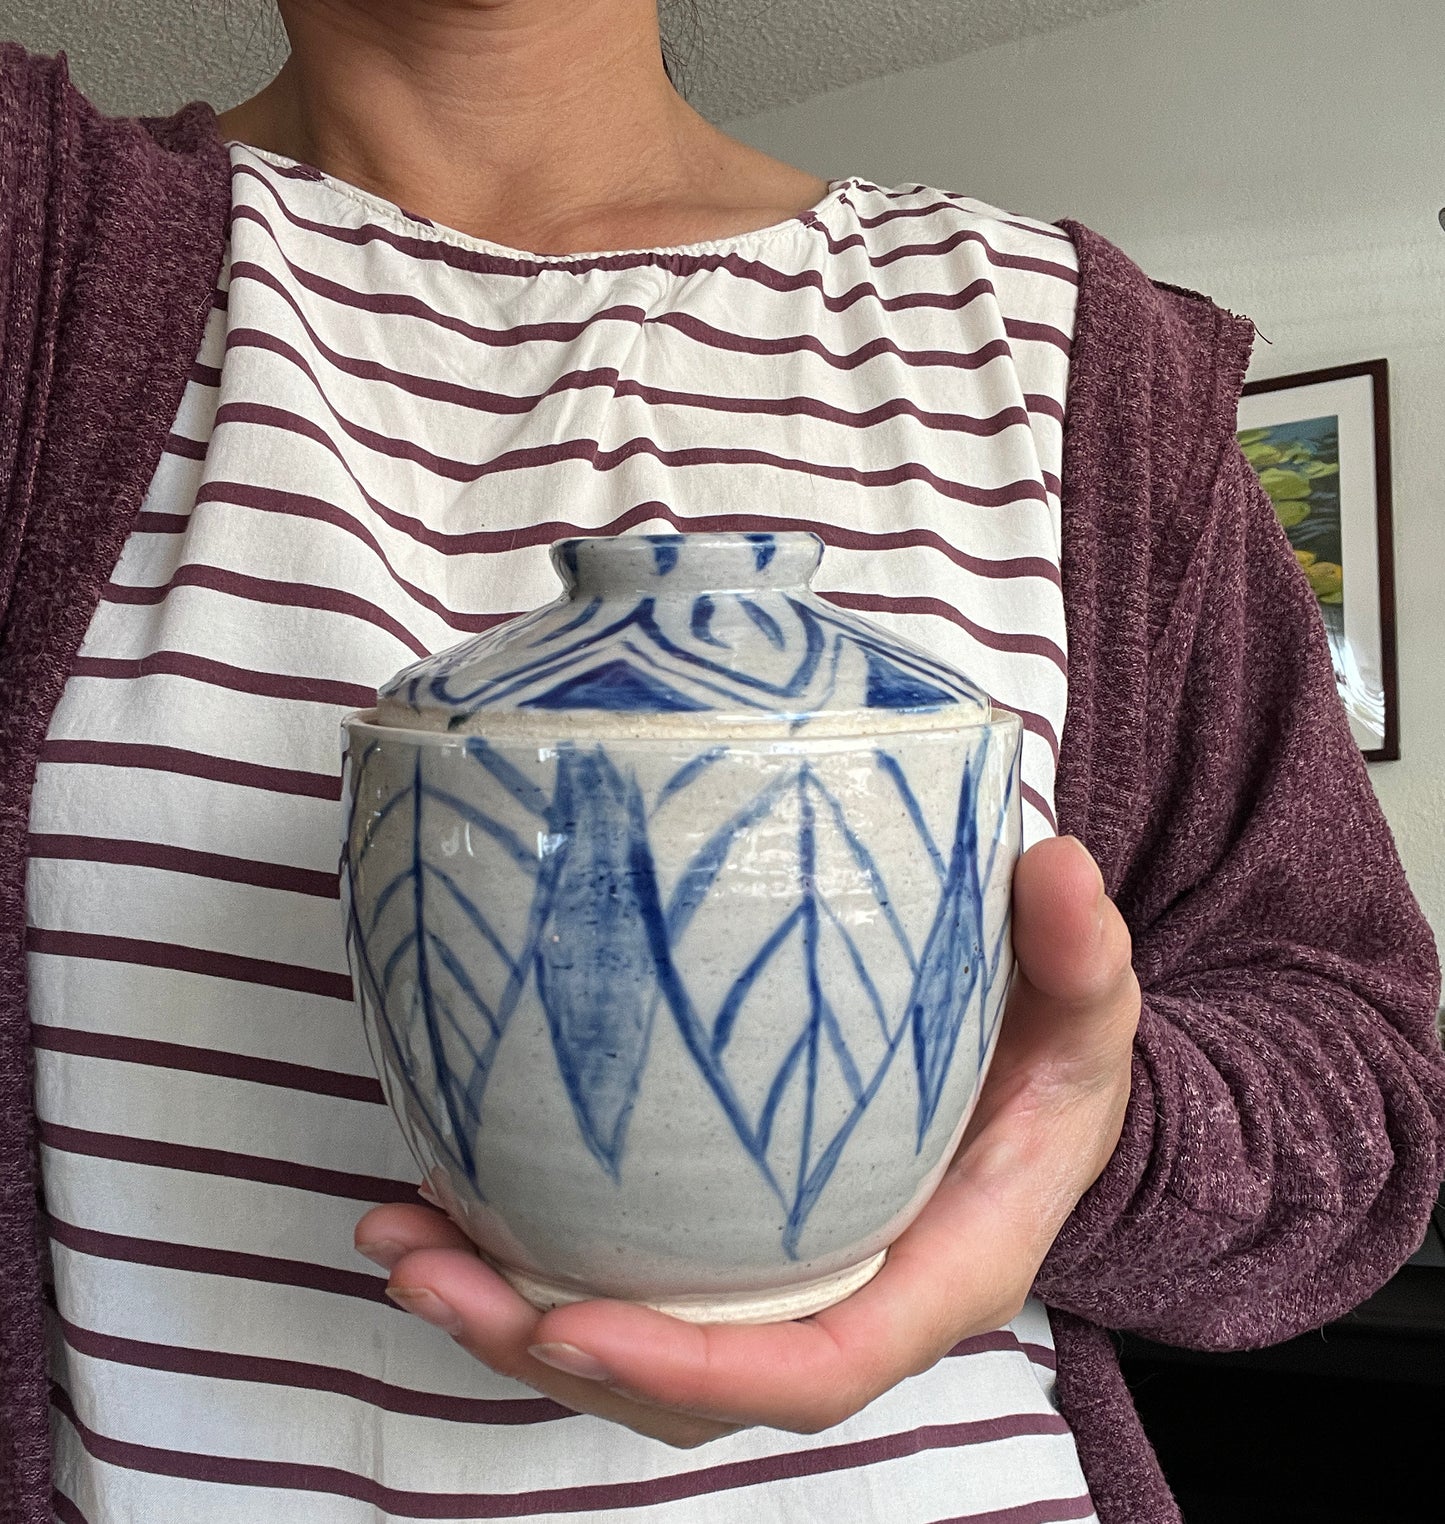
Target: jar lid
point(684, 634)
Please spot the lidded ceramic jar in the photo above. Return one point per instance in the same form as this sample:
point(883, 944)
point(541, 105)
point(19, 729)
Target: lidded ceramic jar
point(678, 916)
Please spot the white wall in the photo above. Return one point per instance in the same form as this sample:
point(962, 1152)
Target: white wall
point(1285, 156)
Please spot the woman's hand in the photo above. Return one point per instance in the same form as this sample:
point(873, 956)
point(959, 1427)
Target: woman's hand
point(1046, 1123)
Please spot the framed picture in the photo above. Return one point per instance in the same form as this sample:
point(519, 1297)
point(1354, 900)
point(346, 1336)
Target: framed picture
point(1320, 444)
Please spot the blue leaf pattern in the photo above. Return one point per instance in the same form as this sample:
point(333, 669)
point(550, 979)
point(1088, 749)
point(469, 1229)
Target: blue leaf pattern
point(605, 946)
point(438, 1029)
point(530, 881)
point(595, 970)
point(775, 648)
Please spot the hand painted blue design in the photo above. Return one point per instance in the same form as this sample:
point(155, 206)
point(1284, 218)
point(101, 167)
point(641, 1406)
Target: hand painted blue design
point(517, 683)
point(687, 773)
point(770, 648)
point(952, 968)
point(615, 685)
point(445, 1062)
point(890, 687)
point(890, 767)
point(815, 1163)
point(995, 953)
point(772, 630)
point(821, 1035)
point(703, 608)
point(516, 783)
point(765, 547)
point(604, 949)
point(585, 615)
point(595, 971)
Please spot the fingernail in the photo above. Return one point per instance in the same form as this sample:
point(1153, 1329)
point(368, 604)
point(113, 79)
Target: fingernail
point(567, 1357)
point(427, 1306)
point(383, 1251)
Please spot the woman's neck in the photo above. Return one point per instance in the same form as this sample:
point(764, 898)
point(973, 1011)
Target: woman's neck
point(543, 124)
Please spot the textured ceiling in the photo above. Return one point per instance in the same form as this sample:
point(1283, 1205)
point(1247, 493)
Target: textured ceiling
point(150, 56)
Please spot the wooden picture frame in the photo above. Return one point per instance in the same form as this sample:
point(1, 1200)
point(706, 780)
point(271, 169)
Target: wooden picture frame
point(1320, 442)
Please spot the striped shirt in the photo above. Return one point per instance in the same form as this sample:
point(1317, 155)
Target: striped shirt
point(388, 424)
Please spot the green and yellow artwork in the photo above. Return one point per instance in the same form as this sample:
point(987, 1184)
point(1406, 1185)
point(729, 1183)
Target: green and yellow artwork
point(1298, 464)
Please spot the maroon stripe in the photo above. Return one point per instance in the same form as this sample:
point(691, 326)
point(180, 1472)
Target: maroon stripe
point(190, 960)
point(293, 1476)
point(152, 854)
point(1040, 1354)
point(955, 240)
point(996, 1341)
point(1038, 232)
point(951, 203)
point(984, 1343)
point(301, 595)
point(316, 510)
point(219, 674)
point(754, 271)
point(396, 304)
point(1004, 1339)
point(195, 764)
point(205, 375)
point(948, 204)
point(995, 640)
point(1044, 405)
point(738, 343)
point(590, 452)
point(399, 304)
point(1009, 568)
point(220, 1365)
point(897, 194)
point(64, 1509)
point(1029, 792)
point(187, 449)
point(148, 522)
point(1039, 333)
point(224, 1162)
point(525, 536)
point(610, 379)
point(1037, 725)
point(228, 1262)
point(212, 1061)
point(1045, 1511)
point(297, 171)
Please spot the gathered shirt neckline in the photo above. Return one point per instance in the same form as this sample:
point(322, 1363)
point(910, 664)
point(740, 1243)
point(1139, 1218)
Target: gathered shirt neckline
point(426, 227)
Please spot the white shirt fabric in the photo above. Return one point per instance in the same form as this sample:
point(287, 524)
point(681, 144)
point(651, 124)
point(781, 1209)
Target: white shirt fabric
point(388, 424)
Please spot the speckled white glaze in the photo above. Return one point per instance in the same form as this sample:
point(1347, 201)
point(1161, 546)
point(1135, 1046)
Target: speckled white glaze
point(690, 1005)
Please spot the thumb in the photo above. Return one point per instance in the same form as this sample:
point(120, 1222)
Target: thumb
point(1075, 1000)
point(1070, 942)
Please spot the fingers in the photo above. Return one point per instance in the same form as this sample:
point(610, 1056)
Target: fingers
point(783, 1375)
point(388, 1232)
point(1046, 1122)
point(678, 1382)
point(438, 1276)
point(957, 1270)
point(464, 1296)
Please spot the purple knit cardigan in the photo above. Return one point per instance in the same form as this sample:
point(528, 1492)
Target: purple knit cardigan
point(1284, 1137)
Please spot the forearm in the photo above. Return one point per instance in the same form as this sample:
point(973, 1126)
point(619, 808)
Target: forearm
point(1278, 1162)
point(1283, 1142)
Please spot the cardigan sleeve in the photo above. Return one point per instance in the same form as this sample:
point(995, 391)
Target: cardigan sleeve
point(1282, 1144)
